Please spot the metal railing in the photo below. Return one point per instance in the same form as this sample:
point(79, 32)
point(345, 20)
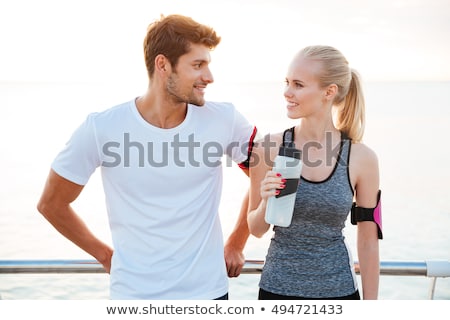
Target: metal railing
point(428, 268)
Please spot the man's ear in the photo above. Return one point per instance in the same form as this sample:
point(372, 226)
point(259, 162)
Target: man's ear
point(162, 65)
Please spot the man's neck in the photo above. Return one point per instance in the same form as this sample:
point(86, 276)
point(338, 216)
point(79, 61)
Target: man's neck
point(160, 112)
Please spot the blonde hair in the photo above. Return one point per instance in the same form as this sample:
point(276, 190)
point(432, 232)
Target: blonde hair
point(349, 99)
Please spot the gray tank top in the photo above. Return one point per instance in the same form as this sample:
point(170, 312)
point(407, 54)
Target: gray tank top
point(310, 258)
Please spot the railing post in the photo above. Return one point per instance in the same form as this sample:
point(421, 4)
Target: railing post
point(432, 288)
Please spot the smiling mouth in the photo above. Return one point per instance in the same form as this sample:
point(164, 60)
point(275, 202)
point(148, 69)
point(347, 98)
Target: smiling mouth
point(291, 104)
point(200, 88)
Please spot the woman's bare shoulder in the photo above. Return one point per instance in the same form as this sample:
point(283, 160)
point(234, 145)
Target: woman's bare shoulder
point(363, 160)
point(362, 152)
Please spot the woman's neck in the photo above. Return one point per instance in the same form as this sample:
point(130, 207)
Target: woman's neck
point(313, 130)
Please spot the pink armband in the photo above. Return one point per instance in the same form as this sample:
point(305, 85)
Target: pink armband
point(368, 214)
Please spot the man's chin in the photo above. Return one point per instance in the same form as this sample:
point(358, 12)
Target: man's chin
point(197, 103)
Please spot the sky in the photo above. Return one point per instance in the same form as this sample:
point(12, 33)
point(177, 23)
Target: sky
point(100, 40)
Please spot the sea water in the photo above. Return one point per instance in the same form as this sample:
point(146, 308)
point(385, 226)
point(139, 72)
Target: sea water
point(407, 126)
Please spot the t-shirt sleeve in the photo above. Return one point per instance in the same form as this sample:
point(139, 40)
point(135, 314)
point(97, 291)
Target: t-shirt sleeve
point(243, 134)
point(80, 156)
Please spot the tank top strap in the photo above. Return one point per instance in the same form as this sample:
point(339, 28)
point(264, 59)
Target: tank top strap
point(344, 160)
point(344, 136)
point(345, 151)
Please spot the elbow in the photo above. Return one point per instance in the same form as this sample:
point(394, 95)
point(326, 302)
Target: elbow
point(41, 207)
point(44, 208)
point(258, 234)
point(257, 225)
point(257, 230)
point(255, 233)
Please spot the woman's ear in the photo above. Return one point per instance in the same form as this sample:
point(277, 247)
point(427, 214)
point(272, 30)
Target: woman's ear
point(331, 92)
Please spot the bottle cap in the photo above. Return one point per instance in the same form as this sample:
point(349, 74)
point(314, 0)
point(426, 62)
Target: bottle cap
point(289, 151)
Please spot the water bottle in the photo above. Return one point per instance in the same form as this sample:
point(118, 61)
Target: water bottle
point(281, 207)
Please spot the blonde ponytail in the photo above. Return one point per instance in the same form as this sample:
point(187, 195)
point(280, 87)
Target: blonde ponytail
point(350, 117)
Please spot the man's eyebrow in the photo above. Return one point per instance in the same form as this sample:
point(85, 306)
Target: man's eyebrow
point(200, 61)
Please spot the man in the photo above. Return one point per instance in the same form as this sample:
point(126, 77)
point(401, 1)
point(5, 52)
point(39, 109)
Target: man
point(160, 162)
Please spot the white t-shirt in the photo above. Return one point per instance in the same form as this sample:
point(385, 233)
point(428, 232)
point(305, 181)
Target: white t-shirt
point(162, 188)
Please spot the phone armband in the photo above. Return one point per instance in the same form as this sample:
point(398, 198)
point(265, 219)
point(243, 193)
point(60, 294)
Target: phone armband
point(368, 214)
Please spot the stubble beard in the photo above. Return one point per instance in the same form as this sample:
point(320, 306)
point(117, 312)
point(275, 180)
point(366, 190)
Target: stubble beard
point(173, 91)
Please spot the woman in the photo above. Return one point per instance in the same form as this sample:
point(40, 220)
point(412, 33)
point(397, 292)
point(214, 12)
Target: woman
point(310, 259)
